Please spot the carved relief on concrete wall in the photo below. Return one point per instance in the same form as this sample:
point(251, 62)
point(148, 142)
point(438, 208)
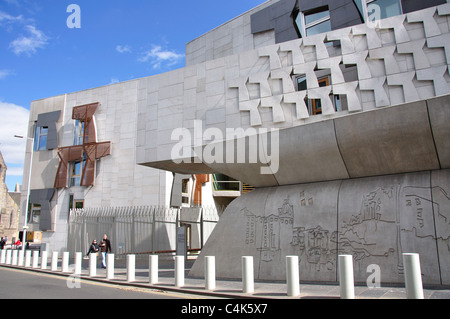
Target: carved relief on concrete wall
point(374, 219)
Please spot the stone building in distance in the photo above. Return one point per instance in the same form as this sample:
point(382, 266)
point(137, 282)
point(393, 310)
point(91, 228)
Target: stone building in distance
point(9, 206)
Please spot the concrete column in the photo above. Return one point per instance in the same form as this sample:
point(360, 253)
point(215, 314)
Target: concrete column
point(179, 271)
point(153, 269)
point(54, 261)
point(2, 256)
point(21, 258)
point(35, 259)
point(131, 268)
point(248, 281)
point(346, 278)
point(413, 276)
point(210, 272)
point(78, 263)
point(92, 265)
point(44, 260)
point(27, 258)
point(292, 276)
point(109, 266)
point(65, 262)
point(8, 256)
point(14, 257)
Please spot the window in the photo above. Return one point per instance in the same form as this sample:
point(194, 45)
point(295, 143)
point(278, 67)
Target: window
point(373, 10)
point(79, 133)
point(76, 171)
point(40, 138)
point(185, 191)
point(75, 204)
point(34, 214)
point(313, 22)
point(315, 105)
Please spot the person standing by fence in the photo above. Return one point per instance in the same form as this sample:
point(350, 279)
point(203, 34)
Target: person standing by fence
point(105, 246)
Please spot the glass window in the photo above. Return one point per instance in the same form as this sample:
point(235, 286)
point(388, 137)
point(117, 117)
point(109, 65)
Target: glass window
point(185, 191)
point(373, 10)
point(301, 82)
point(319, 28)
point(315, 105)
point(313, 22)
point(382, 9)
point(76, 171)
point(79, 204)
point(313, 17)
point(79, 133)
point(40, 138)
point(34, 213)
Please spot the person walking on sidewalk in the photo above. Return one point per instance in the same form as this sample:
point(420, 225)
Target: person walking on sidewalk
point(93, 248)
point(105, 246)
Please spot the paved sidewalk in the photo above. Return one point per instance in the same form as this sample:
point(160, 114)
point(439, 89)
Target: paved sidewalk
point(232, 288)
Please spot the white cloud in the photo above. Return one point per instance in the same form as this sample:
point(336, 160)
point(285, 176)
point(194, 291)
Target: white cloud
point(123, 49)
point(36, 39)
point(15, 122)
point(157, 57)
point(5, 17)
point(5, 73)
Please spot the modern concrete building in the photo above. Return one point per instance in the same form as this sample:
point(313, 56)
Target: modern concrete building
point(336, 111)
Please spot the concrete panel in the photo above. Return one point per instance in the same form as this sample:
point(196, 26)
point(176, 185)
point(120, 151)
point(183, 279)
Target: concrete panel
point(439, 112)
point(440, 183)
point(270, 224)
point(229, 244)
point(309, 153)
point(380, 218)
point(387, 141)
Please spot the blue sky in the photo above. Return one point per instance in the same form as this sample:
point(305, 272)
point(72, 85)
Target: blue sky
point(40, 56)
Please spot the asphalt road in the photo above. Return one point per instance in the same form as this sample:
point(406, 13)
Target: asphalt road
point(19, 284)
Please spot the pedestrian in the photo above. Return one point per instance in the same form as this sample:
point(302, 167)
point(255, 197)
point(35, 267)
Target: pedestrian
point(93, 248)
point(105, 246)
point(2, 243)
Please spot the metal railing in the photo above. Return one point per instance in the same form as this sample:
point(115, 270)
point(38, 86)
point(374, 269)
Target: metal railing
point(140, 230)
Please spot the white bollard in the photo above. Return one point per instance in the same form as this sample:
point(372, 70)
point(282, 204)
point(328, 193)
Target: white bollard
point(14, 257)
point(8, 256)
point(92, 265)
point(248, 281)
point(54, 261)
point(65, 262)
point(292, 276)
point(3, 256)
point(179, 271)
point(21, 258)
point(110, 266)
point(27, 258)
point(210, 273)
point(35, 259)
point(131, 268)
point(153, 269)
point(44, 260)
point(413, 276)
point(346, 277)
point(78, 263)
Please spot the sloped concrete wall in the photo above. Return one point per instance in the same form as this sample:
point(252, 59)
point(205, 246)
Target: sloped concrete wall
point(374, 219)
